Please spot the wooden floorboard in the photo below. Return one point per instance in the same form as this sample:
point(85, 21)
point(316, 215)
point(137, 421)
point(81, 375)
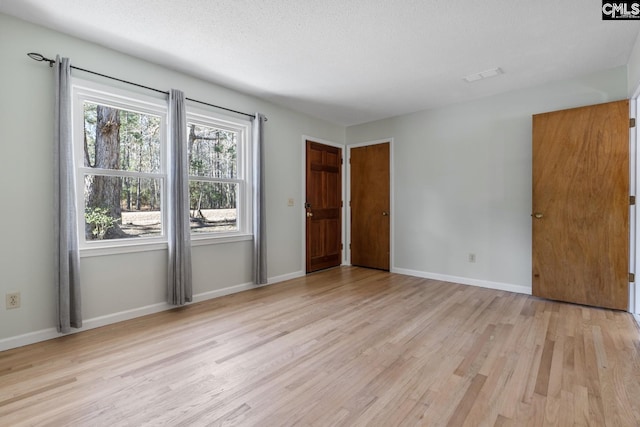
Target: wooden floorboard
point(344, 347)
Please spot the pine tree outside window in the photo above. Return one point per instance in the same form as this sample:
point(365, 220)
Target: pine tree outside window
point(121, 160)
point(218, 181)
point(119, 146)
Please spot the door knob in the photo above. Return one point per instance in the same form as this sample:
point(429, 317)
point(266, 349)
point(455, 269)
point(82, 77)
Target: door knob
point(385, 213)
point(538, 215)
point(309, 214)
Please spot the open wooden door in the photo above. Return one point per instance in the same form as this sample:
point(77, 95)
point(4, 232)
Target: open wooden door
point(581, 205)
point(370, 206)
point(323, 206)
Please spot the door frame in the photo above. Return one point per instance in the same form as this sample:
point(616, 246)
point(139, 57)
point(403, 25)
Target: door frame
point(634, 213)
point(347, 249)
point(303, 211)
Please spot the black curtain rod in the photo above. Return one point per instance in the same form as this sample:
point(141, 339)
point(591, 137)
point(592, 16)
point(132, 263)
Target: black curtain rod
point(40, 58)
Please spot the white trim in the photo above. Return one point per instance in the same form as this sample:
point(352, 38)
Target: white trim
point(392, 209)
point(520, 289)
point(285, 277)
point(96, 322)
point(242, 127)
point(120, 173)
point(51, 333)
point(216, 293)
point(364, 144)
point(634, 295)
point(47, 334)
point(204, 239)
point(102, 250)
point(634, 214)
point(343, 236)
point(85, 90)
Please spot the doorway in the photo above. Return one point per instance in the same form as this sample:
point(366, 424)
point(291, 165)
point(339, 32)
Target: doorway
point(580, 219)
point(370, 205)
point(323, 206)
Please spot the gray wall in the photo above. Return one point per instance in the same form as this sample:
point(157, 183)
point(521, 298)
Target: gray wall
point(462, 185)
point(463, 180)
point(135, 282)
point(633, 69)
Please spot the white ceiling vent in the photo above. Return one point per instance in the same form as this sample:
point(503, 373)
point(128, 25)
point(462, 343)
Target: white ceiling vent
point(484, 74)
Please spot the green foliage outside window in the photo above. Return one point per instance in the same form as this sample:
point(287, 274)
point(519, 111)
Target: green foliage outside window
point(127, 205)
point(99, 222)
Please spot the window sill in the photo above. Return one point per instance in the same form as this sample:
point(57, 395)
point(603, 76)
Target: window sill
point(122, 249)
point(160, 246)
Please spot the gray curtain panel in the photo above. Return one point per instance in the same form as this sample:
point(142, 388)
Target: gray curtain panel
point(259, 219)
point(179, 235)
point(67, 255)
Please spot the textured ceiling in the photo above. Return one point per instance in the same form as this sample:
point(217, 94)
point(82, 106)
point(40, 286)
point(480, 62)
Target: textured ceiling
point(351, 61)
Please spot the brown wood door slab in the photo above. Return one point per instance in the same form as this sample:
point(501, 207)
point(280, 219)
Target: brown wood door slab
point(581, 205)
point(370, 206)
point(323, 206)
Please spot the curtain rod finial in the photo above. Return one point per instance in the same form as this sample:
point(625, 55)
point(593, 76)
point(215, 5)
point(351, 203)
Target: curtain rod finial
point(40, 58)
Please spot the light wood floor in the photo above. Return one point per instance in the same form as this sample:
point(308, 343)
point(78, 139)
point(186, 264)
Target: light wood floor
point(345, 347)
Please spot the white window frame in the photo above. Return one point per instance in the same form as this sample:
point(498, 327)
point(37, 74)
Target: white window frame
point(87, 91)
point(245, 190)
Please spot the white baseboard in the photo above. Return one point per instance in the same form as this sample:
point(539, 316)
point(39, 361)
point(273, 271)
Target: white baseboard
point(96, 322)
point(28, 338)
point(520, 289)
point(285, 277)
point(216, 293)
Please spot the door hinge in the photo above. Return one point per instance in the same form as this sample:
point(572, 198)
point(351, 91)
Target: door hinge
point(632, 200)
point(349, 246)
point(341, 161)
point(632, 277)
point(632, 122)
point(341, 203)
point(341, 246)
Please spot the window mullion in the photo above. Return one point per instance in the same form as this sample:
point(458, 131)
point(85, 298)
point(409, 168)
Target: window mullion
point(221, 180)
point(120, 173)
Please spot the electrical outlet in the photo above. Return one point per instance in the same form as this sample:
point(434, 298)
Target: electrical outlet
point(472, 257)
point(13, 300)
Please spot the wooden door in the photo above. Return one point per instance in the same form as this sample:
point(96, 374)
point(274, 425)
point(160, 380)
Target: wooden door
point(581, 205)
point(370, 206)
point(323, 206)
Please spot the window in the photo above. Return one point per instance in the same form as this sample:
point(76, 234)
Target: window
point(218, 175)
point(119, 146)
point(121, 160)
